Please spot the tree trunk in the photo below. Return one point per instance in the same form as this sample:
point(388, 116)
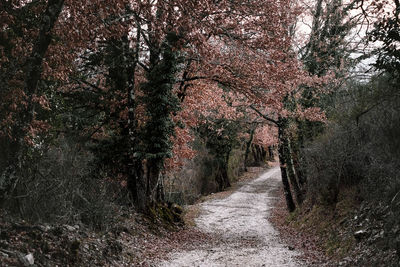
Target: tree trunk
point(248, 146)
point(222, 178)
point(263, 154)
point(258, 154)
point(33, 64)
point(290, 170)
point(154, 182)
point(286, 187)
point(296, 152)
point(136, 179)
point(270, 153)
point(298, 170)
point(33, 70)
point(137, 185)
point(160, 103)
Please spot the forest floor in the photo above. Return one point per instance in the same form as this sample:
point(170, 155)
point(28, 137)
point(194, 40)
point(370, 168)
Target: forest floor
point(242, 232)
point(230, 228)
point(348, 234)
point(246, 224)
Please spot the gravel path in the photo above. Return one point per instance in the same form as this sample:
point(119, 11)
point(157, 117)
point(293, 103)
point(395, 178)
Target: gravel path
point(241, 221)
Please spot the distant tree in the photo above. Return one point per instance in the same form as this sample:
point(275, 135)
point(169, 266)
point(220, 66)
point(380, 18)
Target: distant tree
point(386, 30)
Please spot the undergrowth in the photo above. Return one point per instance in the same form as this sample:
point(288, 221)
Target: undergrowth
point(326, 223)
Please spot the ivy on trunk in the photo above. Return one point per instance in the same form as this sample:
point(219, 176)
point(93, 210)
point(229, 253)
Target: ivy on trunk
point(160, 103)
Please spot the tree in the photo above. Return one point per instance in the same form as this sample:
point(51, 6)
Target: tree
point(42, 41)
point(387, 31)
point(21, 74)
point(216, 52)
point(160, 103)
point(129, 82)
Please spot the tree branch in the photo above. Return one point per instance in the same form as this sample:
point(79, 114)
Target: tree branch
point(263, 115)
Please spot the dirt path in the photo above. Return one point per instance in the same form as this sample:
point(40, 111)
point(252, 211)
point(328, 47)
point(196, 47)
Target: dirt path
point(247, 238)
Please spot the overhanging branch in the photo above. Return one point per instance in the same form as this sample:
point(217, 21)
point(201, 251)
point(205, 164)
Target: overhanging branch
point(263, 115)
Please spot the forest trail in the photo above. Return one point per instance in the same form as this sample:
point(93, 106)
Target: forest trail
point(240, 220)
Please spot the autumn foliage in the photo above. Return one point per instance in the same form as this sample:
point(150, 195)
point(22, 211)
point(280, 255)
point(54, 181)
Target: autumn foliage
point(134, 80)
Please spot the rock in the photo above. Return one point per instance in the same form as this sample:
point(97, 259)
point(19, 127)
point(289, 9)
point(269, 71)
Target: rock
point(27, 260)
point(361, 234)
point(69, 228)
point(44, 228)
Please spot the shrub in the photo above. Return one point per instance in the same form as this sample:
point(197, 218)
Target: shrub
point(59, 187)
point(361, 147)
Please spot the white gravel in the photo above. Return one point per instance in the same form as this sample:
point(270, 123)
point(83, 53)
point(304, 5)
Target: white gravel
point(242, 222)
